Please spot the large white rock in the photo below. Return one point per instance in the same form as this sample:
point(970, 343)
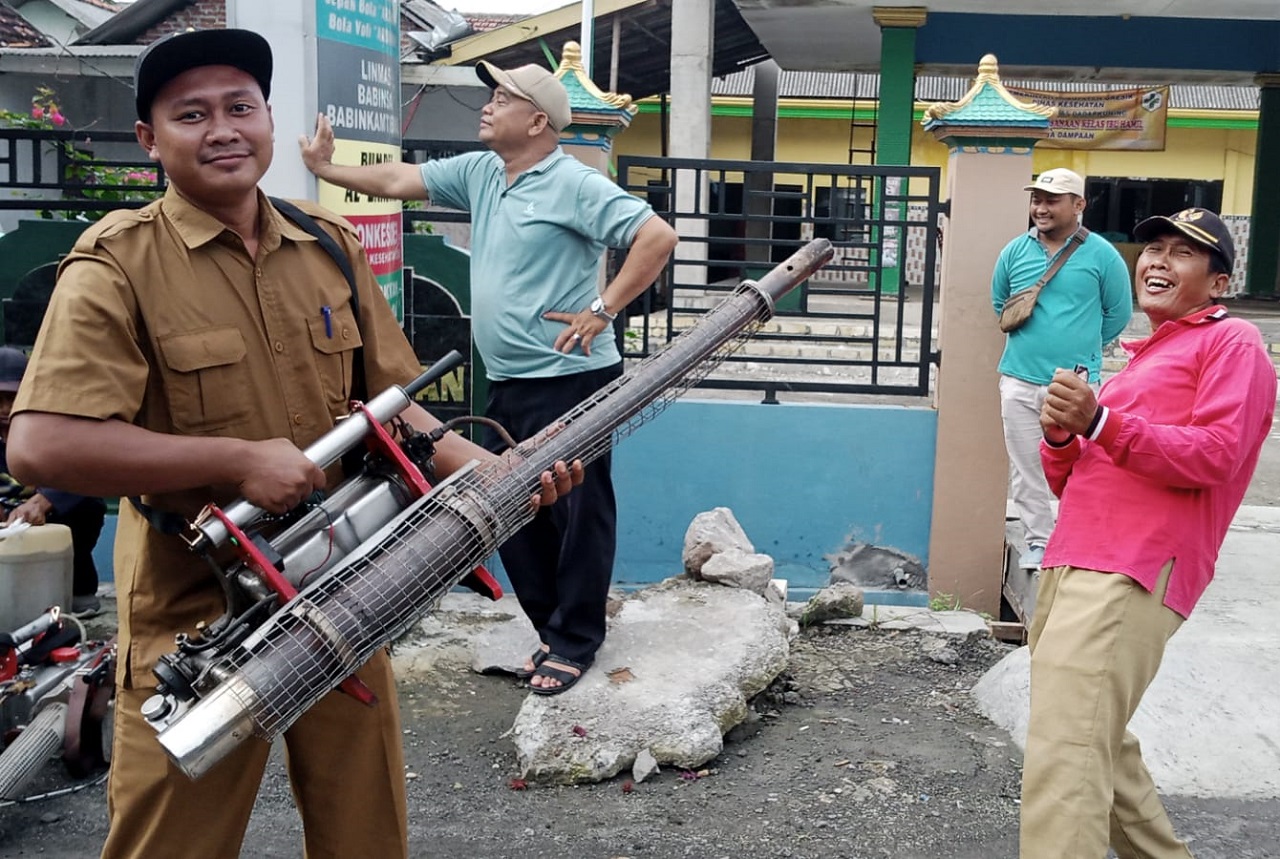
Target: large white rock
point(738, 569)
point(710, 533)
point(684, 658)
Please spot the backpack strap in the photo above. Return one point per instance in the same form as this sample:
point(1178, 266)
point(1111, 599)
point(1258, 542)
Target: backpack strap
point(308, 224)
point(168, 523)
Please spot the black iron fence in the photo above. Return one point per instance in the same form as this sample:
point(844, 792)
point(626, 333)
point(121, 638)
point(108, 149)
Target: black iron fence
point(70, 174)
point(863, 324)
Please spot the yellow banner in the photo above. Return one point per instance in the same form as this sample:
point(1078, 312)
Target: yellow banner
point(1131, 119)
point(348, 203)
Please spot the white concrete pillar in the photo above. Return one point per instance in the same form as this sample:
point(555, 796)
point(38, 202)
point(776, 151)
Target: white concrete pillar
point(345, 57)
point(290, 27)
point(692, 35)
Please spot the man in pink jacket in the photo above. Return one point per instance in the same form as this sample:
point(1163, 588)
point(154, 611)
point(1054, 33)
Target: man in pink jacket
point(1150, 474)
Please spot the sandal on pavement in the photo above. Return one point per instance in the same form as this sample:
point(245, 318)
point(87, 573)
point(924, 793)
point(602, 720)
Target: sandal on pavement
point(539, 656)
point(567, 679)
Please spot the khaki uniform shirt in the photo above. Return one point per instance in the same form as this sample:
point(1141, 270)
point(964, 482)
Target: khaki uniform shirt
point(162, 319)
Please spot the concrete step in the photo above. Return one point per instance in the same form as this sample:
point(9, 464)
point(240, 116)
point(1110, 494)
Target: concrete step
point(820, 340)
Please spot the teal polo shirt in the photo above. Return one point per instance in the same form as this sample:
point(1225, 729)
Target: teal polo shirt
point(536, 245)
point(1085, 306)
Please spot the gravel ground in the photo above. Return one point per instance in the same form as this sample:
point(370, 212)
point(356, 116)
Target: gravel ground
point(869, 746)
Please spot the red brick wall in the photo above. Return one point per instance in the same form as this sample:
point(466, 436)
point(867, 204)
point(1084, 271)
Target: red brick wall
point(198, 15)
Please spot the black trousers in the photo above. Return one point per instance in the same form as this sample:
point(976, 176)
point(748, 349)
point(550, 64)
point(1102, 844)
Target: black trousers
point(561, 563)
point(85, 521)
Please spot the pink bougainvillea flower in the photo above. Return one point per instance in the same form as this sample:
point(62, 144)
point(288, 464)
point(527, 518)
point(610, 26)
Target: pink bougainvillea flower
point(57, 118)
point(37, 111)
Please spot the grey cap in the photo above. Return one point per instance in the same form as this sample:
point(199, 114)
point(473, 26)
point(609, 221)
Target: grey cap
point(533, 84)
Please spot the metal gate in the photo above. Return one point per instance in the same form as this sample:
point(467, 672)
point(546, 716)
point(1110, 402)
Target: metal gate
point(863, 324)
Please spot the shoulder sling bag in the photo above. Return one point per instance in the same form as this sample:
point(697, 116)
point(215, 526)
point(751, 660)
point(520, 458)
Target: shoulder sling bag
point(1017, 309)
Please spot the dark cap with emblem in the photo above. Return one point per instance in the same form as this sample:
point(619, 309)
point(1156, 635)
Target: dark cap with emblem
point(1203, 227)
point(171, 55)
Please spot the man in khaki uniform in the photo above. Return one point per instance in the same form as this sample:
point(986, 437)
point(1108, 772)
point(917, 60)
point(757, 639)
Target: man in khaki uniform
point(191, 349)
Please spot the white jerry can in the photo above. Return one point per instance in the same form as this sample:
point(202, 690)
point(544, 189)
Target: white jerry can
point(35, 573)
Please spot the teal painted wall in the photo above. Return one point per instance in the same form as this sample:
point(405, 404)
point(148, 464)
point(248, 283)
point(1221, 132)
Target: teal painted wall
point(804, 480)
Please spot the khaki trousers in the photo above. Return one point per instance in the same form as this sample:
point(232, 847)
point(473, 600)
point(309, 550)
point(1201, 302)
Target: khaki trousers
point(346, 767)
point(1096, 643)
point(1020, 404)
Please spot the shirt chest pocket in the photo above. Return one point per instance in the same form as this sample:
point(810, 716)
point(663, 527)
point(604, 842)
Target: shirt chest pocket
point(334, 338)
point(206, 379)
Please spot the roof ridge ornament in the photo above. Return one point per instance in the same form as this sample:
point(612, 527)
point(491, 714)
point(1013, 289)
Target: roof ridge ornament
point(571, 64)
point(988, 78)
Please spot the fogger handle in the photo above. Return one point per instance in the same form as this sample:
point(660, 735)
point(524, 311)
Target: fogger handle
point(209, 532)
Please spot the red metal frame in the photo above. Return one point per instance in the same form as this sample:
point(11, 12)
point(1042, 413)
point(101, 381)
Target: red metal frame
point(379, 441)
point(252, 557)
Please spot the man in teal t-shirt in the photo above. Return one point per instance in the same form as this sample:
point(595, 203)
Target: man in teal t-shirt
point(540, 223)
point(1083, 307)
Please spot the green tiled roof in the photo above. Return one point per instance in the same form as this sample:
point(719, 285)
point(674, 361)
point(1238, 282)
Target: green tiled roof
point(988, 106)
point(581, 99)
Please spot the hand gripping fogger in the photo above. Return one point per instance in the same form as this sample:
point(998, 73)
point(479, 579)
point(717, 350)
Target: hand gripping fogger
point(355, 572)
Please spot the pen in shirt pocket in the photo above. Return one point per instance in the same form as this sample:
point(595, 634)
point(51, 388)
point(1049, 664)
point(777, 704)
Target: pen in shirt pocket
point(328, 321)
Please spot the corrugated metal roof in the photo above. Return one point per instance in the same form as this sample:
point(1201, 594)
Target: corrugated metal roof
point(852, 85)
point(77, 52)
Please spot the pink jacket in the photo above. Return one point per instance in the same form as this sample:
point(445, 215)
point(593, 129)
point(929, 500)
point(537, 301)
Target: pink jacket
point(1166, 469)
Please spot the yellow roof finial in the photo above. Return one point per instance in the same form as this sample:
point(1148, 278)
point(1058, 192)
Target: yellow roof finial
point(988, 76)
point(571, 64)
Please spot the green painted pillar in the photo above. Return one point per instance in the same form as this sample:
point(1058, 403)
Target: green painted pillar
point(894, 121)
point(1264, 231)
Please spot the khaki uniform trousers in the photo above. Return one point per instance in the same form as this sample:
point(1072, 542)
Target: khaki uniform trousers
point(1096, 641)
point(346, 767)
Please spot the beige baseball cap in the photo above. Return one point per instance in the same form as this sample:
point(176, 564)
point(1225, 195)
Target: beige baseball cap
point(1059, 180)
point(534, 84)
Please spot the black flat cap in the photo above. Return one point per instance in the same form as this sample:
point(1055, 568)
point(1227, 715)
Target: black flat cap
point(171, 55)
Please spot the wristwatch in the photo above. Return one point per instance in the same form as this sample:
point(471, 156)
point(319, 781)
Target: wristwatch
point(598, 308)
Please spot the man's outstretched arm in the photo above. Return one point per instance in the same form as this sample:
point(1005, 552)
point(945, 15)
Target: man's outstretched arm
point(396, 180)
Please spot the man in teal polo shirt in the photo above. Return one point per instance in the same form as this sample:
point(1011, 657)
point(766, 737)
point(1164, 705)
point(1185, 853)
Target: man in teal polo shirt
point(540, 223)
point(1083, 307)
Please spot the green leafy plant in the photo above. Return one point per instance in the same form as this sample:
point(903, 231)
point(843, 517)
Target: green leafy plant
point(944, 602)
point(44, 112)
point(91, 179)
point(420, 228)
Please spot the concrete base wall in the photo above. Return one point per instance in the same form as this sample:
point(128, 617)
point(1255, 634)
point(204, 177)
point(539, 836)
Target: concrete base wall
point(804, 481)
